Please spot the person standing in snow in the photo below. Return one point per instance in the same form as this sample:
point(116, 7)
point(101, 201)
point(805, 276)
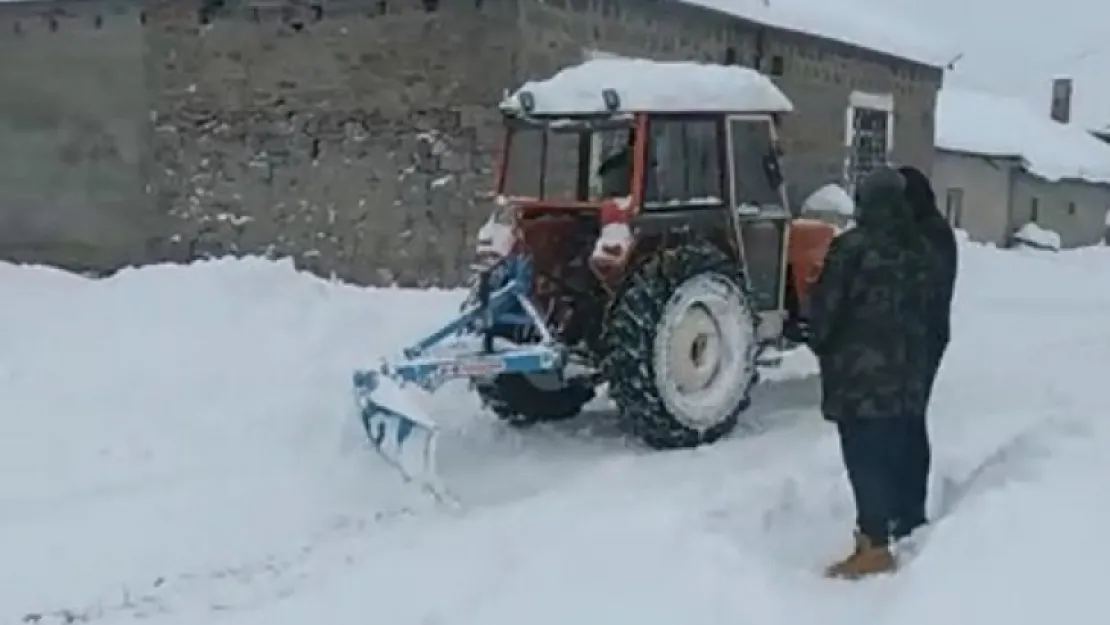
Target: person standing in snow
point(936, 231)
point(869, 330)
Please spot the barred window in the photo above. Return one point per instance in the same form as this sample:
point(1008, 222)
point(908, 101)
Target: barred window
point(870, 143)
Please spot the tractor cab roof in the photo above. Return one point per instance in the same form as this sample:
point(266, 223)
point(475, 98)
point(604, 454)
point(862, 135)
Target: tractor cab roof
point(619, 87)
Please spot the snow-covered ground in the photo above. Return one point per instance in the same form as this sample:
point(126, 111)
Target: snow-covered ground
point(176, 446)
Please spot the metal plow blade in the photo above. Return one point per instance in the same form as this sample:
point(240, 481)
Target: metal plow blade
point(463, 348)
point(400, 431)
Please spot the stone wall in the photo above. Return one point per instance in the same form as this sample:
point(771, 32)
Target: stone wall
point(356, 138)
point(355, 135)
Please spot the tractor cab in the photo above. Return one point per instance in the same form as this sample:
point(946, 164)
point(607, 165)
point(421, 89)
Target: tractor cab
point(654, 151)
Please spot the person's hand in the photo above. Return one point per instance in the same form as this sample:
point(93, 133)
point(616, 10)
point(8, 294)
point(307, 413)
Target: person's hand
point(796, 332)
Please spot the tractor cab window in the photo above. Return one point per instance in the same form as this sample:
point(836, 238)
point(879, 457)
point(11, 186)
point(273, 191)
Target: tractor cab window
point(567, 162)
point(683, 165)
point(758, 197)
point(611, 167)
point(542, 163)
point(756, 175)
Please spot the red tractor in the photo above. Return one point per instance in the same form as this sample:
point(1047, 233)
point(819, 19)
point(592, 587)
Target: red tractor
point(640, 238)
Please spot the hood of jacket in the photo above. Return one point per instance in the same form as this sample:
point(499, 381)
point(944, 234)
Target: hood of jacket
point(920, 195)
point(881, 202)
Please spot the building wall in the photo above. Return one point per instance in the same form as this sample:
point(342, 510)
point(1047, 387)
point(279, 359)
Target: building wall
point(820, 78)
point(356, 138)
point(1083, 223)
point(999, 198)
point(986, 186)
point(72, 107)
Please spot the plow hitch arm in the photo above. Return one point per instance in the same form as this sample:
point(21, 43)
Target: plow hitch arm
point(394, 421)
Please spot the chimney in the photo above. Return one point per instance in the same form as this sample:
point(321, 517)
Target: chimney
point(1061, 99)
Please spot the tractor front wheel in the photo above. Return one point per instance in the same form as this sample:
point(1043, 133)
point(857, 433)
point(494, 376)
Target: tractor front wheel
point(682, 347)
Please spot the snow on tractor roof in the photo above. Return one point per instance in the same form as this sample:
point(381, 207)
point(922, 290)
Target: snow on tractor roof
point(649, 86)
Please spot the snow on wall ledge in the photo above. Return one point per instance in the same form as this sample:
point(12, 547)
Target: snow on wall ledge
point(992, 125)
point(854, 22)
point(645, 85)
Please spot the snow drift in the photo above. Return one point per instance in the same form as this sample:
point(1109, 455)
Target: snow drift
point(177, 446)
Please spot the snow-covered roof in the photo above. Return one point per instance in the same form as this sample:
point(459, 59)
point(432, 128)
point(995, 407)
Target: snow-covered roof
point(993, 125)
point(645, 85)
point(867, 24)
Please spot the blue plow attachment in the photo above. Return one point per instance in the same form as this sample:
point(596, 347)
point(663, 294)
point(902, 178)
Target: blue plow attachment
point(396, 424)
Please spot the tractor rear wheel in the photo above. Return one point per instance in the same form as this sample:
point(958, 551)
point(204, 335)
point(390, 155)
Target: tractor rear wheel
point(681, 338)
point(521, 400)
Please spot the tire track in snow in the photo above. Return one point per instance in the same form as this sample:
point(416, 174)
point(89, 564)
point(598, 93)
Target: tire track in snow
point(235, 586)
point(771, 476)
point(780, 520)
point(1017, 456)
point(530, 463)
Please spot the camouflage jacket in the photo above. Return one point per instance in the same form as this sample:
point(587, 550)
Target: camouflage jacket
point(870, 310)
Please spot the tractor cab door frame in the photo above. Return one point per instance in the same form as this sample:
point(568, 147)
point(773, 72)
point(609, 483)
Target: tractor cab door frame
point(759, 209)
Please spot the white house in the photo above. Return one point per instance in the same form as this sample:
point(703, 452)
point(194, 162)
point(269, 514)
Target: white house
point(1000, 164)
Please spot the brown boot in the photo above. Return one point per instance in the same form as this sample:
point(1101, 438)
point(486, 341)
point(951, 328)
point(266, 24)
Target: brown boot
point(865, 560)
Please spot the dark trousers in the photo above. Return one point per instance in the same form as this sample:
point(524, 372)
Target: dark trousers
point(915, 477)
point(888, 467)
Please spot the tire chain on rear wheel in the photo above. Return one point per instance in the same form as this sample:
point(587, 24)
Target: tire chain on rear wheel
point(630, 333)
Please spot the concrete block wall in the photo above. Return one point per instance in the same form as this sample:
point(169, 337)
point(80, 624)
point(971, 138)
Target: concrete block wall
point(820, 78)
point(355, 135)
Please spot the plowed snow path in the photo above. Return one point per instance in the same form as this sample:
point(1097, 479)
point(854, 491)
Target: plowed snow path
point(176, 443)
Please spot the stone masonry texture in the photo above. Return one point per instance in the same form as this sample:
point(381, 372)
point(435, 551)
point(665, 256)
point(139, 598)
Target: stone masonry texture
point(357, 136)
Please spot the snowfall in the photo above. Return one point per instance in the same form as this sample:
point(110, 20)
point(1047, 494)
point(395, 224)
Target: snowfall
point(177, 445)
